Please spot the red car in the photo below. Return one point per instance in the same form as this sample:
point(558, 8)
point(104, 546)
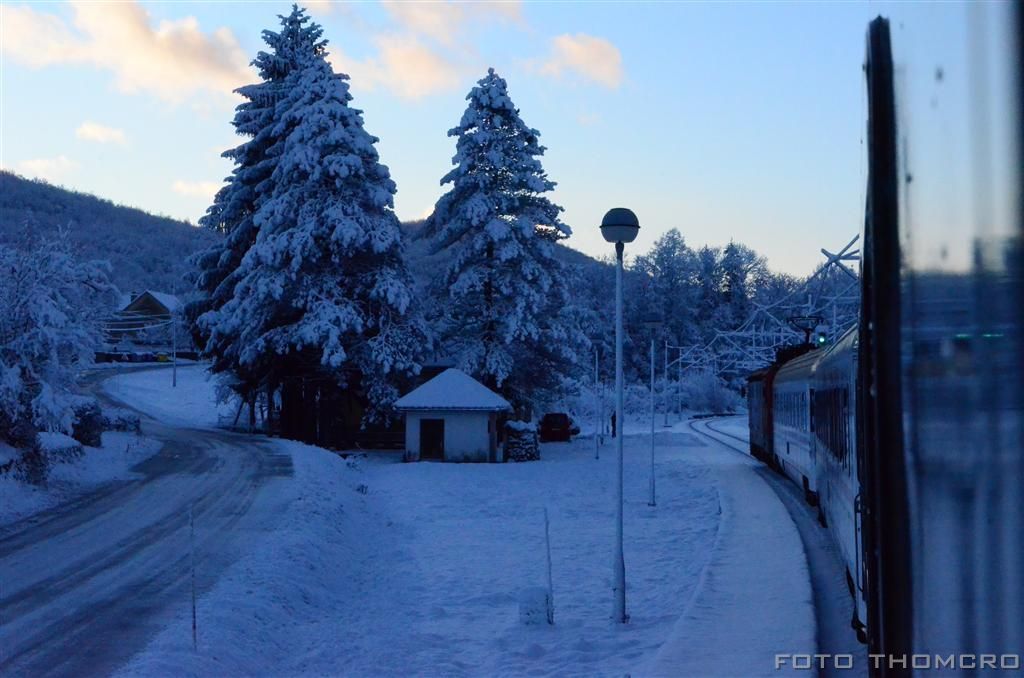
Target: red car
point(557, 426)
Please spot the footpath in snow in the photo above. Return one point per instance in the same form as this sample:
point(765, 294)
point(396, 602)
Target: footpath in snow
point(383, 568)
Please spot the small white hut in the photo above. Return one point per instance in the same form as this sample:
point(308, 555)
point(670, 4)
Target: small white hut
point(452, 417)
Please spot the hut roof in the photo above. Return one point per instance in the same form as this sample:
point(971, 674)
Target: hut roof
point(453, 390)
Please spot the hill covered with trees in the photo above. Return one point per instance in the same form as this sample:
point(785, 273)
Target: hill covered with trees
point(145, 251)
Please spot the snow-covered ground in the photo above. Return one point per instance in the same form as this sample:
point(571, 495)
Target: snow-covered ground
point(385, 568)
point(192, 403)
point(97, 465)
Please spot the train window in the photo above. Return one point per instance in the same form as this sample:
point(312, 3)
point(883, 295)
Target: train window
point(811, 418)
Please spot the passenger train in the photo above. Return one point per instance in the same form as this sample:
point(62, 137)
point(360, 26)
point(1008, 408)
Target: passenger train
point(906, 434)
point(803, 422)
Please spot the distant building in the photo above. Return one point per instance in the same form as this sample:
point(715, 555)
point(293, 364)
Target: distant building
point(453, 417)
point(141, 314)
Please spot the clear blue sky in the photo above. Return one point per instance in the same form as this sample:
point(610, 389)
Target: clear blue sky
point(728, 121)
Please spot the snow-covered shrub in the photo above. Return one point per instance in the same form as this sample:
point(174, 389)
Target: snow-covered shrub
point(636, 403)
point(9, 456)
point(50, 325)
point(521, 441)
point(705, 392)
point(119, 419)
point(88, 425)
point(58, 448)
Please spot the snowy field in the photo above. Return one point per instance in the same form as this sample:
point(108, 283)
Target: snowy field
point(192, 403)
point(421, 574)
point(384, 568)
point(97, 466)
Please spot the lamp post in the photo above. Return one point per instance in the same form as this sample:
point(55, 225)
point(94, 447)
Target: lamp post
point(619, 226)
point(652, 323)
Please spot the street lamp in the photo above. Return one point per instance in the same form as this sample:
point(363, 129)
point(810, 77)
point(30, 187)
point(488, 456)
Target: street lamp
point(619, 226)
point(653, 323)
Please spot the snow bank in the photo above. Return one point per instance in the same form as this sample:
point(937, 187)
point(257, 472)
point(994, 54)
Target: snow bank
point(192, 403)
point(96, 466)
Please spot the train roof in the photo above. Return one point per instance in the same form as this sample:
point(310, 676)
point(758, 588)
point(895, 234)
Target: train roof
point(801, 367)
point(758, 375)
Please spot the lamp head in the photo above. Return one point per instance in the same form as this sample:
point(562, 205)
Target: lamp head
point(620, 225)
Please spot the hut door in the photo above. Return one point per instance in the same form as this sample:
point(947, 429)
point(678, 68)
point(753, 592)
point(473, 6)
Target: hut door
point(431, 438)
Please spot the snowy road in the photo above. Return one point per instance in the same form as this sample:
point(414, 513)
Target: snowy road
point(85, 585)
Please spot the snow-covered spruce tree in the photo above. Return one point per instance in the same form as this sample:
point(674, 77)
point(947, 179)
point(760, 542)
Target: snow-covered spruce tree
point(49, 330)
point(325, 288)
point(509, 321)
point(235, 205)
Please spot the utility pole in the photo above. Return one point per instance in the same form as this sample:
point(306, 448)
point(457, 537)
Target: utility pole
point(651, 501)
point(665, 397)
point(598, 406)
point(174, 352)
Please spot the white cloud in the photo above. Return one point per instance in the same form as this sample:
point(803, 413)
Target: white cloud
point(428, 50)
point(319, 7)
point(594, 59)
point(196, 189)
point(445, 22)
point(51, 169)
point(93, 131)
point(171, 60)
point(403, 65)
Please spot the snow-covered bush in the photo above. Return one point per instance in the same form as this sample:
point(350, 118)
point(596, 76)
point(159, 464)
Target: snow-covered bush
point(49, 328)
point(705, 392)
point(88, 424)
point(119, 419)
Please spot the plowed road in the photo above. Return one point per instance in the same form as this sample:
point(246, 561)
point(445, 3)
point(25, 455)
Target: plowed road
point(85, 585)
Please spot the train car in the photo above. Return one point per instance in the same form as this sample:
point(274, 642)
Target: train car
point(759, 413)
point(909, 431)
point(760, 403)
point(793, 449)
point(834, 398)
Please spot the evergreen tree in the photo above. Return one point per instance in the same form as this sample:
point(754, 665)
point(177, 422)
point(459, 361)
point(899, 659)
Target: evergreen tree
point(235, 205)
point(325, 287)
point(510, 321)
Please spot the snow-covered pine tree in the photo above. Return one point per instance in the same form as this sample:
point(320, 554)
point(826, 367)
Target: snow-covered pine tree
point(325, 288)
point(509, 321)
point(235, 205)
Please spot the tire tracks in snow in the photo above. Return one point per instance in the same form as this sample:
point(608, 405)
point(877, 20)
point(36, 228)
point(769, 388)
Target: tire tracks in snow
point(87, 584)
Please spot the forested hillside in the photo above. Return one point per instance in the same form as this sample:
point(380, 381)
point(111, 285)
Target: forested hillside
point(145, 251)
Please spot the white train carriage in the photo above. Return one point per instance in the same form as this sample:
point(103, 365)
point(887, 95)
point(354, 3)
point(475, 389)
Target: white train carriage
point(793, 445)
point(834, 439)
